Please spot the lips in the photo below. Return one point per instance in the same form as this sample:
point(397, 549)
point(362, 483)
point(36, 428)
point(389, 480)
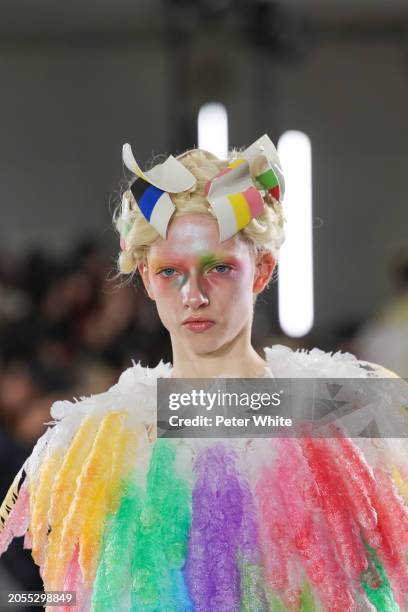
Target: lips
point(198, 325)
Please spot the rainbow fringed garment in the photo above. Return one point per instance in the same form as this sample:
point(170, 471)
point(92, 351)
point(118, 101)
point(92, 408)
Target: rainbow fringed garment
point(237, 525)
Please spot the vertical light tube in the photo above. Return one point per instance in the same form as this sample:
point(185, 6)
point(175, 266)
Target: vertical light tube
point(213, 129)
point(295, 272)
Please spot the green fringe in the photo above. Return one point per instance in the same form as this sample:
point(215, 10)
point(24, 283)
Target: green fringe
point(160, 545)
point(112, 578)
point(376, 585)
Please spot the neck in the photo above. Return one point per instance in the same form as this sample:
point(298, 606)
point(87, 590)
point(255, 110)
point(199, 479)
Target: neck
point(237, 358)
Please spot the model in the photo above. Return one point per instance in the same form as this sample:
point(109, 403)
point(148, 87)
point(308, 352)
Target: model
point(130, 521)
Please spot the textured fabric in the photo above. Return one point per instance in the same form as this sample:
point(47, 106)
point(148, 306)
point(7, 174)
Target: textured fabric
point(213, 525)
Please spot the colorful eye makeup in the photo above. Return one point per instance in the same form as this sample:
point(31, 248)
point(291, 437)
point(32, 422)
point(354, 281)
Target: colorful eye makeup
point(206, 263)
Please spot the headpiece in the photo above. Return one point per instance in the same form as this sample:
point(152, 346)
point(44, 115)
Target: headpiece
point(235, 194)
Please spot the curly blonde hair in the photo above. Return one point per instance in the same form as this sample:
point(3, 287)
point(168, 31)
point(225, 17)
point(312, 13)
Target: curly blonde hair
point(265, 233)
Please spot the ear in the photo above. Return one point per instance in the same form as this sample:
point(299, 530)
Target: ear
point(144, 273)
point(264, 267)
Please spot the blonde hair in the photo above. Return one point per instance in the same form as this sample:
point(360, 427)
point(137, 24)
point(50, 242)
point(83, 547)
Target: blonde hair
point(265, 233)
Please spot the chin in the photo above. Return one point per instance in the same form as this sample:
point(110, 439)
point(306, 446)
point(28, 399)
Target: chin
point(204, 342)
point(205, 346)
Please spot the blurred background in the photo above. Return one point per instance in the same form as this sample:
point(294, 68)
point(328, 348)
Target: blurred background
point(80, 79)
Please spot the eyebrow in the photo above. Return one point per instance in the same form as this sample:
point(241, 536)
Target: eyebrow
point(211, 258)
point(204, 260)
point(208, 259)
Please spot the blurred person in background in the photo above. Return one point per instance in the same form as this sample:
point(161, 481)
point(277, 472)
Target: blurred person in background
point(385, 338)
point(25, 402)
point(65, 330)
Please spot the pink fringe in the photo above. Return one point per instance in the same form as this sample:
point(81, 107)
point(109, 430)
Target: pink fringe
point(17, 521)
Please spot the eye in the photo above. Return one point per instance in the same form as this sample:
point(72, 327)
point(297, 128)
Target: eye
point(165, 271)
point(222, 268)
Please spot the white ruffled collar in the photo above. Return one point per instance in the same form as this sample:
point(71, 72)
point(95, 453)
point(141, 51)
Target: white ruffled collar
point(281, 361)
point(137, 386)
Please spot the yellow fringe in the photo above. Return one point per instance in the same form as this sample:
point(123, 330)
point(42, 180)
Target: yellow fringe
point(87, 487)
point(40, 505)
point(11, 498)
point(402, 484)
point(63, 490)
point(96, 504)
point(123, 462)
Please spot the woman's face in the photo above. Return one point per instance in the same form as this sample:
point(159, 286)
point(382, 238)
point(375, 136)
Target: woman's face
point(191, 275)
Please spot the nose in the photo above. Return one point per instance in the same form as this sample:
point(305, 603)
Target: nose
point(193, 294)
